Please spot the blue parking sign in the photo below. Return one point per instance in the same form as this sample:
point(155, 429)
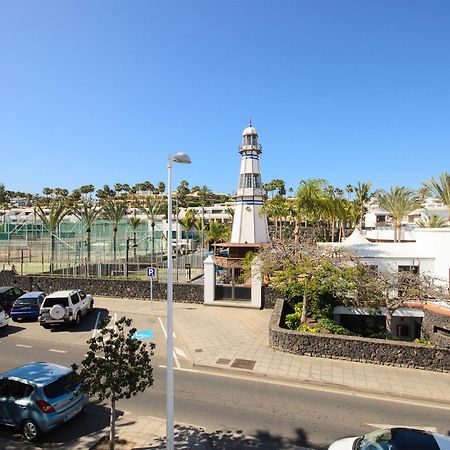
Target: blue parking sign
point(151, 272)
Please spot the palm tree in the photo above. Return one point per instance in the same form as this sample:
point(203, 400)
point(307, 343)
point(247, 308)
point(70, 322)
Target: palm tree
point(58, 210)
point(432, 222)
point(363, 198)
point(188, 221)
point(440, 188)
point(113, 210)
point(217, 232)
point(399, 201)
point(204, 192)
point(87, 213)
point(153, 208)
point(349, 189)
point(309, 195)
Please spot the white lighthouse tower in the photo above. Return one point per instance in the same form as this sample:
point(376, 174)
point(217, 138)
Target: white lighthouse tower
point(249, 223)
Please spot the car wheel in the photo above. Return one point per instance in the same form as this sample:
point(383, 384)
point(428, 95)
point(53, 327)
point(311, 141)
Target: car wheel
point(91, 306)
point(77, 320)
point(30, 430)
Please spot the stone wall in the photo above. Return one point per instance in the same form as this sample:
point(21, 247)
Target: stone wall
point(182, 293)
point(269, 297)
point(402, 354)
point(436, 328)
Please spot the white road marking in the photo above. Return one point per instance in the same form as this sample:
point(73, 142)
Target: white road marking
point(390, 425)
point(96, 324)
point(299, 385)
point(180, 352)
point(24, 346)
point(56, 350)
point(177, 363)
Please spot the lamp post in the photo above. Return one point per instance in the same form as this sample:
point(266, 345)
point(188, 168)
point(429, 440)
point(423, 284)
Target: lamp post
point(181, 158)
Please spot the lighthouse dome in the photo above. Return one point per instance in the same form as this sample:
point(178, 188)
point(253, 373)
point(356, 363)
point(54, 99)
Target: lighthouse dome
point(249, 131)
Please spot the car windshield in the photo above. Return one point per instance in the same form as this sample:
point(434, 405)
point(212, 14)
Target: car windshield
point(26, 301)
point(66, 383)
point(398, 439)
point(49, 302)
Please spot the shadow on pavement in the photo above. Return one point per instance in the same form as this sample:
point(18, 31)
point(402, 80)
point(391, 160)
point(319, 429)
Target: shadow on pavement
point(189, 436)
point(93, 419)
point(87, 323)
point(10, 329)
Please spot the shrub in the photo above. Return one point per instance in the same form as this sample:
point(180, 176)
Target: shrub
point(333, 327)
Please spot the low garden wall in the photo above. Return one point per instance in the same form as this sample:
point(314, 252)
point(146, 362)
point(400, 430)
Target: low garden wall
point(182, 292)
point(393, 353)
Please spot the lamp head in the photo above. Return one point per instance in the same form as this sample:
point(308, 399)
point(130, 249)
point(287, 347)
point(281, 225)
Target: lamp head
point(182, 158)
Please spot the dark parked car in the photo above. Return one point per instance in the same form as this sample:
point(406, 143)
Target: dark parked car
point(27, 306)
point(38, 397)
point(8, 295)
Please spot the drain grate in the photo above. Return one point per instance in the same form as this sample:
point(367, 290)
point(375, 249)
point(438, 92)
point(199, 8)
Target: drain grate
point(223, 361)
point(243, 364)
point(198, 350)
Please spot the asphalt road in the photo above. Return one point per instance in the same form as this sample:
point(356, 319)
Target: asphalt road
point(307, 416)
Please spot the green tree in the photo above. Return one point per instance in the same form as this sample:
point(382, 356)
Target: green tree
point(114, 210)
point(161, 187)
point(433, 222)
point(375, 288)
point(363, 197)
point(217, 232)
point(57, 211)
point(307, 272)
point(87, 212)
point(309, 196)
point(105, 192)
point(153, 208)
point(4, 195)
point(398, 201)
point(116, 366)
point(440, 188)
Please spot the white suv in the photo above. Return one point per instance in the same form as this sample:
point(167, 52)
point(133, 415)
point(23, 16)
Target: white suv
point(65, 307)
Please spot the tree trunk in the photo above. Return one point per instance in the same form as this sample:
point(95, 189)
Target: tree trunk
point(88, 244)
point(153, 239)
point(304, 309)
point(114, 243)
point(134, 247)
point(389, 314)
point(52, 251)
point(112, 424)
point(296, 230)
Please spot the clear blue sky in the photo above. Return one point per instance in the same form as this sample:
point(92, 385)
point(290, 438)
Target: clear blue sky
point(102, 91)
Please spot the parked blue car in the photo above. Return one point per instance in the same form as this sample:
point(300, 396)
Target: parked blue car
point(38, 397)
point(27, 306)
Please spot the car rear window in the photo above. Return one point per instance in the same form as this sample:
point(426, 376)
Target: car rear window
point(49, 302)
point(62, 385)
point(26, 301)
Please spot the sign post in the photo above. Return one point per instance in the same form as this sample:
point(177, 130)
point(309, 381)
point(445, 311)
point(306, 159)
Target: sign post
point(151, 273)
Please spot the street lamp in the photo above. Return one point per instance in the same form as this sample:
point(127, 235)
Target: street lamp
point(181, 158)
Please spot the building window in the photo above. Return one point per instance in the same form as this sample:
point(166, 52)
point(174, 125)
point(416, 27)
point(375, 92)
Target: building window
point(411, 268)
point(248, 180)
point(257, 181)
